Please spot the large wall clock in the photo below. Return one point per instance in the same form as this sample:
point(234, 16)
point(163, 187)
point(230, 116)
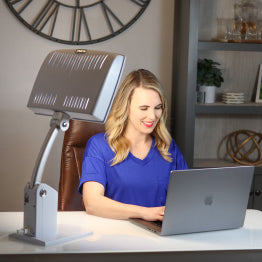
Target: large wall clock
point(78, 22)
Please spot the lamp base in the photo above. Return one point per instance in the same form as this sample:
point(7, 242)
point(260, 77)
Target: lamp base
point(64, 234)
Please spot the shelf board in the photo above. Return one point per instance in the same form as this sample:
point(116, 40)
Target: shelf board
point(204, 163)
point(225, 46)
point(222, 108)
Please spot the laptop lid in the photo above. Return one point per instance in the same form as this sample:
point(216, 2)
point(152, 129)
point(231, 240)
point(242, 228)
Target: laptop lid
point(207, 199)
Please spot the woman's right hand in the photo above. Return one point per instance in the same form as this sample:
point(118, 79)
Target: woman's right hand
point(153, 213)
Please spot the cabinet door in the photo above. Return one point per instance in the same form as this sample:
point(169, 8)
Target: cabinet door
point(257, 204)
point(250, 204)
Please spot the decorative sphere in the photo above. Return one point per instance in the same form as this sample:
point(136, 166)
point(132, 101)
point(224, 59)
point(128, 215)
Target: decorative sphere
point(244, 146)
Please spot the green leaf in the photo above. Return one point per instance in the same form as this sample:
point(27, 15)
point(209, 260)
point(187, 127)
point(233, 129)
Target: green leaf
point(209, 73)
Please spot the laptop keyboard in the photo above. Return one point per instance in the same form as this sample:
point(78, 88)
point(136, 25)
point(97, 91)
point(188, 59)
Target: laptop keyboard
point(158, 223)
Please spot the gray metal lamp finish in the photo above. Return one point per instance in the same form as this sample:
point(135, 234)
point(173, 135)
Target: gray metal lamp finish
point(59, 121)
point(81, 83)
point(77, 84)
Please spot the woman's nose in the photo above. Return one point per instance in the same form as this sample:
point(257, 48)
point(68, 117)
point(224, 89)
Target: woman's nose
point(151, 114)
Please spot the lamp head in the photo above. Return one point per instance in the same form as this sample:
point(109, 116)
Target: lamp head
point(81, 83)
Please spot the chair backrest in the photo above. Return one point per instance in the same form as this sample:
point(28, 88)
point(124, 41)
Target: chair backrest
point(74, 144)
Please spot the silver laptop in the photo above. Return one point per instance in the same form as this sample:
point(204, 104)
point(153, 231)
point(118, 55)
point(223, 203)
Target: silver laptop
point(200, 200)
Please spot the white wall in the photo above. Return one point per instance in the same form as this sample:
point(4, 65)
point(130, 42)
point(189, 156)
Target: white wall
point(147, 44)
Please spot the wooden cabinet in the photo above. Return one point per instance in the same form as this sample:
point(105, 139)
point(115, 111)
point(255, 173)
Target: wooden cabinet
point(199, 128)
point(255, 200)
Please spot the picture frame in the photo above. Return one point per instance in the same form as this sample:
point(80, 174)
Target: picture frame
point(259, 86)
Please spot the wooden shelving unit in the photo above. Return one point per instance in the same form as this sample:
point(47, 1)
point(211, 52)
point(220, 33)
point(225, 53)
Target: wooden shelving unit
point(225, 46)
point(234, 109)
point(184, 108)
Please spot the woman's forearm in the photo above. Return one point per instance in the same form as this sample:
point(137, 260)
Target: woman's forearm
point(99, 205)
point(106, 207)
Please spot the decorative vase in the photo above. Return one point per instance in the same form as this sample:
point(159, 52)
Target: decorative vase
point(208, 94)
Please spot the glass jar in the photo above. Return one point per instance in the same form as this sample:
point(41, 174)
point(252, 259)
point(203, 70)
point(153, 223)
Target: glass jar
point(245, 16)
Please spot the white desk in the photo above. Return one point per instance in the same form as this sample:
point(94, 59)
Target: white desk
point(123, 241)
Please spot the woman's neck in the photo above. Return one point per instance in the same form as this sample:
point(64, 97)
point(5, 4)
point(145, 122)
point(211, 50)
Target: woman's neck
point(139, 144)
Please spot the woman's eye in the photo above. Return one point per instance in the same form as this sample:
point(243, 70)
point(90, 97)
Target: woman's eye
point(146, 108)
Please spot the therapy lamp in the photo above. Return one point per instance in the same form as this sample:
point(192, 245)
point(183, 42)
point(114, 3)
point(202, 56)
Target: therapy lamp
point(78, 84)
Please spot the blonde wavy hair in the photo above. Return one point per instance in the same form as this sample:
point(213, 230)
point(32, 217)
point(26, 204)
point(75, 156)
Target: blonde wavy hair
point(118, 116)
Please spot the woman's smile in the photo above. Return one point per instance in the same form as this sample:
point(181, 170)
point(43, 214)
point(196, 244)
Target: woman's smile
point(148, 124)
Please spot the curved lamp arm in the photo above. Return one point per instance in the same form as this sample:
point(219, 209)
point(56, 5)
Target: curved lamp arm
point(59, 121)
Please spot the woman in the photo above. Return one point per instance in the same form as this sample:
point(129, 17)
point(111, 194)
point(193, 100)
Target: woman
point(126, 170)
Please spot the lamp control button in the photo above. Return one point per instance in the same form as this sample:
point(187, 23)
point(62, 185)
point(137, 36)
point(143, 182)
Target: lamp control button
point(43, 193)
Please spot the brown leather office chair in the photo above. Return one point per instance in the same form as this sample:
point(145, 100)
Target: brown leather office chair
point(74, 144)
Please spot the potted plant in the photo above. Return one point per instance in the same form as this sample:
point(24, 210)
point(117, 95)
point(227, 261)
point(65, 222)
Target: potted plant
point(209, 77)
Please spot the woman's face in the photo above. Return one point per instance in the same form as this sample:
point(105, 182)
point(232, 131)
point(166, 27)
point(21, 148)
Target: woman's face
point(145, 111)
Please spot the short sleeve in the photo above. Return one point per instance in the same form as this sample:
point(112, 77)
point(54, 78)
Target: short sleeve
point(179, 162)
point(93, 165)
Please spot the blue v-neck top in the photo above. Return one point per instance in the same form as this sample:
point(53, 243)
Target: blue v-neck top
point(133, 181)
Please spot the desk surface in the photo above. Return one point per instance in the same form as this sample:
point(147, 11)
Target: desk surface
point(120, 236)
